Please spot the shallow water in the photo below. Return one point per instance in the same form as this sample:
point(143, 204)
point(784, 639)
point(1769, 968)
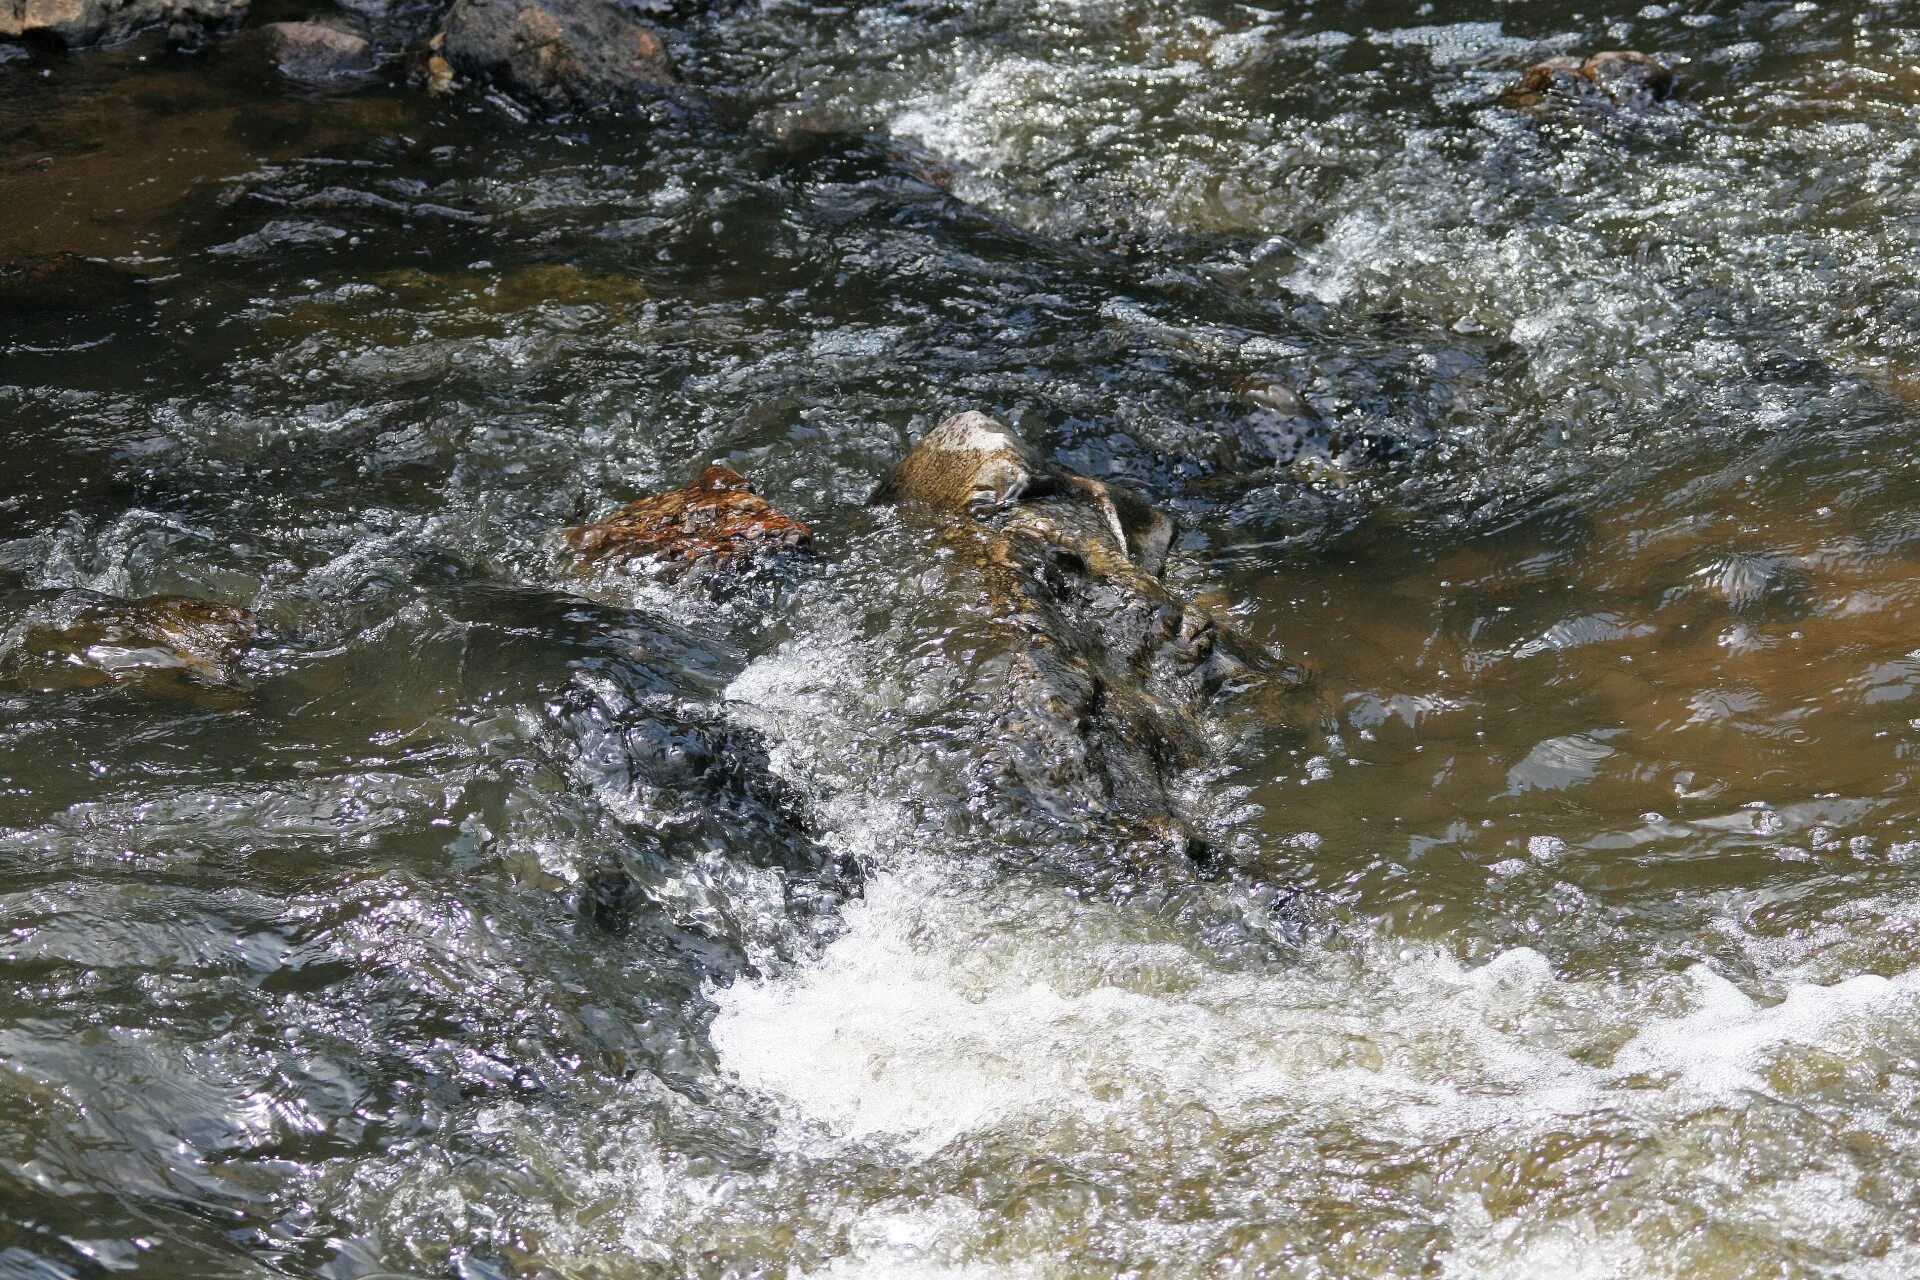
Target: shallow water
point(505, 924)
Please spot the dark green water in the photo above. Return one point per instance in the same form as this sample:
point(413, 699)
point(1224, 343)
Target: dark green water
point(491, 930)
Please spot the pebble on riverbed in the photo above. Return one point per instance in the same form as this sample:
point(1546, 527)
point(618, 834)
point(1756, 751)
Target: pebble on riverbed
point(83, 639)
point(716, 523)
point(1618, 77)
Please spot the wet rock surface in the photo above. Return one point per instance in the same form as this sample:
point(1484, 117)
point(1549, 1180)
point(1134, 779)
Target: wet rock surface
point(563, 55)
point(81, 22)
point(716, 525)
point(1097, 671)
point(1619, 77)
point(84, 639)
point(316, 51)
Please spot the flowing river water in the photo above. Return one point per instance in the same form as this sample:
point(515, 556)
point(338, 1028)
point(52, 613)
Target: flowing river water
point(496, 925)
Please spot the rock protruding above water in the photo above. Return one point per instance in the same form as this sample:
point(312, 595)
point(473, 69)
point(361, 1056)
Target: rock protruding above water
point(1096, 671)
point(564, 55)
point(80, 22)
point(316, 51)
point(718, 523)
point(1618, 77)
point(83, 639)
point(972, 464)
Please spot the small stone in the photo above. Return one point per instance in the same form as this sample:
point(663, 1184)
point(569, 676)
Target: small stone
point(716, 523)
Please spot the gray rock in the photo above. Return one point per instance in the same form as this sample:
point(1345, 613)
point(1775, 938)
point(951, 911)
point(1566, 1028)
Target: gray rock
point(314, 51)
point(564, 55)
point(1629, 78)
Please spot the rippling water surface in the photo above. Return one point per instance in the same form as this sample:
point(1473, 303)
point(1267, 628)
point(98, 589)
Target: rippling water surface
point(500, 924)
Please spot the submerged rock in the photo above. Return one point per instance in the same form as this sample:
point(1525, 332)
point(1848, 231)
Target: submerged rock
point(564, 55)
point(78, 22)
point(84, 639)
point(1619, 77)
point(718, 523)
point(1097, 670)
point(61, 299)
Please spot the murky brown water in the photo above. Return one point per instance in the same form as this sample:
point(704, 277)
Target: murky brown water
point(492, 930)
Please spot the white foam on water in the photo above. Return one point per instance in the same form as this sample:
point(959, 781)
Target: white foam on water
point(1491, 1249)
point(942, 1019)
point(923, 1024)
point(911, 1245)
point(1724, 1043)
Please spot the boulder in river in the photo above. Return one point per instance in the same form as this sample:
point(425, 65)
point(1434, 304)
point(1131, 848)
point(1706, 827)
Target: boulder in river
point(316, 51)
point(1618, 77)
point(564, 55)
point(717, 523)
point(1095, 671)
point(83, 639)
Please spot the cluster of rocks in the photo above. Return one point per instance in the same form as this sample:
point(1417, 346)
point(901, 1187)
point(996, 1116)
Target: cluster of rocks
point(1095, 678)
point(577, 55)
point(1093, 673)
point(562, 55)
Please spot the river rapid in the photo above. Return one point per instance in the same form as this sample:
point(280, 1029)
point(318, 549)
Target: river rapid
point(496, 924)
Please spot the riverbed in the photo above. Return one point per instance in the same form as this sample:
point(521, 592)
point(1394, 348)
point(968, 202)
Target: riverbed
point(497, 923)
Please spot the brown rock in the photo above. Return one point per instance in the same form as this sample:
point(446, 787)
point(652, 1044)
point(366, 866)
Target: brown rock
point(972, 464)
point(565, 55)
point(1619, 77)
point(87, 639)
point(77, 22)
point(716, 523)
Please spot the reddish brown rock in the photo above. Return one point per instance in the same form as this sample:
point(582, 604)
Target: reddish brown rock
point(716, 523)
point(1620, 77)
